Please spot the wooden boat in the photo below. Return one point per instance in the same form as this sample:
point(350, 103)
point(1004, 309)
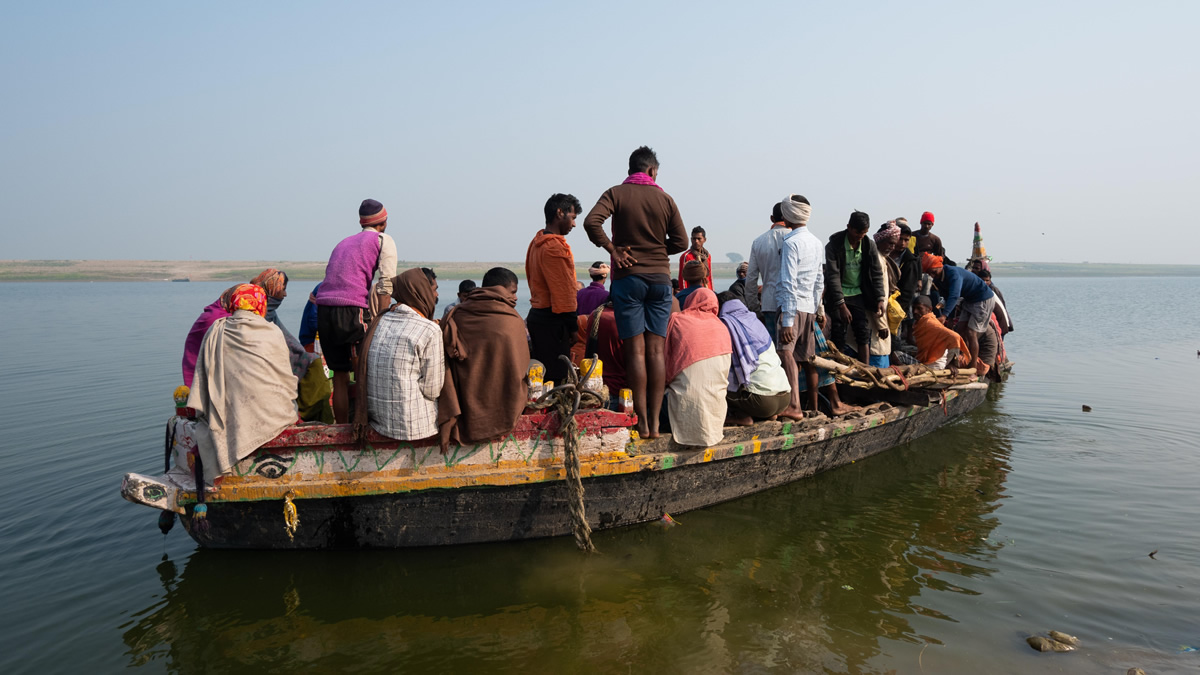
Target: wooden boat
point(313, 487)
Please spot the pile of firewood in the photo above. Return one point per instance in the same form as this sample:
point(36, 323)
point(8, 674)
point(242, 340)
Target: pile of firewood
point(848, 370)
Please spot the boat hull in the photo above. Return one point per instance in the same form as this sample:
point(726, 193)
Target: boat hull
point(749, 460)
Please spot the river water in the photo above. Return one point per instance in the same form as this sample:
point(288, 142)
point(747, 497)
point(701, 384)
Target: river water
point(938, 557)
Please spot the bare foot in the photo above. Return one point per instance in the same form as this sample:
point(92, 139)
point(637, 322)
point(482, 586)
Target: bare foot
point(743, 421)
point(844, 409)
point(791, 413)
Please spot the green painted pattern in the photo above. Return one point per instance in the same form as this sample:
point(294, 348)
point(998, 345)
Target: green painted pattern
point(668, 462)
point(739, 450)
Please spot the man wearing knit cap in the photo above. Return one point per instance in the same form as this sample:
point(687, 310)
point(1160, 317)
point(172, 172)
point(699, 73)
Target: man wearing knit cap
point(927, 241)
point(594, 294)
point(854, 284)
point(763, 268)
point(357, 285)
point(799, 291)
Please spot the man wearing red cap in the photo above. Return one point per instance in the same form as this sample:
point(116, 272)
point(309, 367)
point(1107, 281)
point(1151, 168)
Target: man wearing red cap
point(345, 301)
point(927, 241)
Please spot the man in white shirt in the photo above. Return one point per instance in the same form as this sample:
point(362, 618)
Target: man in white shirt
point(801, 284)
point(764, 263)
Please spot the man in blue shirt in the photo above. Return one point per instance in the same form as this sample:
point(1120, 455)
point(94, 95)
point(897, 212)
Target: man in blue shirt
point(966, 292)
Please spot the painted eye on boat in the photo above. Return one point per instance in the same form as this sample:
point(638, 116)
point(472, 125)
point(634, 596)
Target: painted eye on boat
point(153, 493)
point(271, 466)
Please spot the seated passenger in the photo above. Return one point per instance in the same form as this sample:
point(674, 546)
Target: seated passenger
point(758, 386)
point(595, 294)
point(601, 338)
point(934, 341)
point(313, 396)
point(695, 275)
point(243, 391)
point(698, 354)
point(487, 359)
point(403, 365)
point(308, 322)
point(191, 346)
point(465, 286)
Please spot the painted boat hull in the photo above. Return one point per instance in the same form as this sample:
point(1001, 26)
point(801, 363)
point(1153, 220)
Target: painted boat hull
point(638, 488)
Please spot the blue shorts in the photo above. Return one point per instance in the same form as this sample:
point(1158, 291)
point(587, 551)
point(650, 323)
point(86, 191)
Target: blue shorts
point(640, 306)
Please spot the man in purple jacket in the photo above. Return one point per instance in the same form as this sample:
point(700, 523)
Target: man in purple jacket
point(345, 302)
point(595, 294)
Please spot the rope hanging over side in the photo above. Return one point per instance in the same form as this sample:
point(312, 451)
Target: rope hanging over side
point(565, 400)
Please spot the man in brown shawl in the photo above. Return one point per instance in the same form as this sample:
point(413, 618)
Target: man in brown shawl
point(487, 358)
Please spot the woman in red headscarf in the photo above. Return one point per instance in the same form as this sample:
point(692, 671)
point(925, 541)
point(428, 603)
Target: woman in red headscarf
point(697, 360)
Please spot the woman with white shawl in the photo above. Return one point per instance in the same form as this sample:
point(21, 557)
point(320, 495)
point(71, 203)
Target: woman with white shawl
point(697, 362)
point(243, 391)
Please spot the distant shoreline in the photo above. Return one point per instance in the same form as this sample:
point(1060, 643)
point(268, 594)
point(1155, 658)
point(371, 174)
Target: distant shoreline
point(234, 270)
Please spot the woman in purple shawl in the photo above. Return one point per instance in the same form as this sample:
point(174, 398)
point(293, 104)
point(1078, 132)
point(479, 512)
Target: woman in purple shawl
point(758, 385)
point(191, 346)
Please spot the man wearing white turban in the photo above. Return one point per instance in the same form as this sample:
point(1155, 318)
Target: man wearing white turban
point(799, 294)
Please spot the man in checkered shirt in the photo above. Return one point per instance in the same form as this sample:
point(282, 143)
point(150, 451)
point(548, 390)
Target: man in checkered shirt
point(406, 363)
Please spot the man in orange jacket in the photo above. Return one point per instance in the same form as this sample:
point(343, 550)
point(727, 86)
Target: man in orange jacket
point(550, 273)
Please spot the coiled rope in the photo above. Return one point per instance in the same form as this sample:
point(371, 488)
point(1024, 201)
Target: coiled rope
point(565, 400)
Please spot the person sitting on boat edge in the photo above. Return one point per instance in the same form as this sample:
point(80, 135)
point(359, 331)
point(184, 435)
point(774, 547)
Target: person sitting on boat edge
point(966, 292)
point(741, 289)
point(698, 355)
point(594, 294)
point(191, 345)
point(313, 394)
point(402, 367)
point(308, 321)
point(758, 388)
point(935, 343)
point(601, 338)
point(487, 359)
point(349, 296)
point(244, 392)
point(799, 292)
point(647, 229)
point(693, 276)
point(465, 286)
point(553, 321)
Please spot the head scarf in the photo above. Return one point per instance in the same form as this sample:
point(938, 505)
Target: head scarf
point(599, 267)
point(930, 262)
point(413, 289)
point(888, 234)
point(226, 299)
point(371, 213)
point(249, 297)
point(695, 333)
point(794, 212)
point(273, 281)
point(749, 339)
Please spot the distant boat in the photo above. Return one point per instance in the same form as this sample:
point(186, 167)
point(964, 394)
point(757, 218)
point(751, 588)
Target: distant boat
point(182, 279)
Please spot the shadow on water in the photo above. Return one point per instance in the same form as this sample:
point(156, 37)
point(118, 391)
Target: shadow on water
point(819, 575)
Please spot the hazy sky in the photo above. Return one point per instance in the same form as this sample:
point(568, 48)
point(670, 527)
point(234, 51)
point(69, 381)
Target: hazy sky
point(171, 130)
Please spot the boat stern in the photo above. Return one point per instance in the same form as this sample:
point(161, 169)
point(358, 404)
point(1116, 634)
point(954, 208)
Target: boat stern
point(153, 492)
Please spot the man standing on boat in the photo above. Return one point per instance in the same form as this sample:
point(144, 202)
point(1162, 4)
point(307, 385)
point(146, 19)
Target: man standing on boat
point(646, 230)
point(345, 302)
point(854, 284)
point(927, 241)
point(764, 264)
point(799, 295)
point(550, 273)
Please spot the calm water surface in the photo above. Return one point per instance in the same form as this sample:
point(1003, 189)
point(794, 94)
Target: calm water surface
point(938, 557)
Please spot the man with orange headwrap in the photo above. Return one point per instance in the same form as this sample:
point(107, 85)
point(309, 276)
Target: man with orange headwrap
point(966, 292)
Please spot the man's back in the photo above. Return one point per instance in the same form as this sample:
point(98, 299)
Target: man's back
point(406, 373)
point(764, 263)
point(350, 270)
point(645, 219)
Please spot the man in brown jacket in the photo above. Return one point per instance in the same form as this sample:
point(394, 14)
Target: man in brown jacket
point(646, 231)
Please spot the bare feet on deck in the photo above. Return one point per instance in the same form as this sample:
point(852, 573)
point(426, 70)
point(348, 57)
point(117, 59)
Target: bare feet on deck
point(844, 409)
point(790, 413)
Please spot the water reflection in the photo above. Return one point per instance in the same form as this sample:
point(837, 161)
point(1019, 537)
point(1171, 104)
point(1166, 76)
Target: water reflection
point(818, 575)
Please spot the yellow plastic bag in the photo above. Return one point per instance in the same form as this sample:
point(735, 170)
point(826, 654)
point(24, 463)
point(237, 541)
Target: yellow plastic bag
point(895, 314)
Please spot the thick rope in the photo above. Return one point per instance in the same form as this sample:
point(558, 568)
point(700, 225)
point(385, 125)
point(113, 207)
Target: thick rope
point(565, 400)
